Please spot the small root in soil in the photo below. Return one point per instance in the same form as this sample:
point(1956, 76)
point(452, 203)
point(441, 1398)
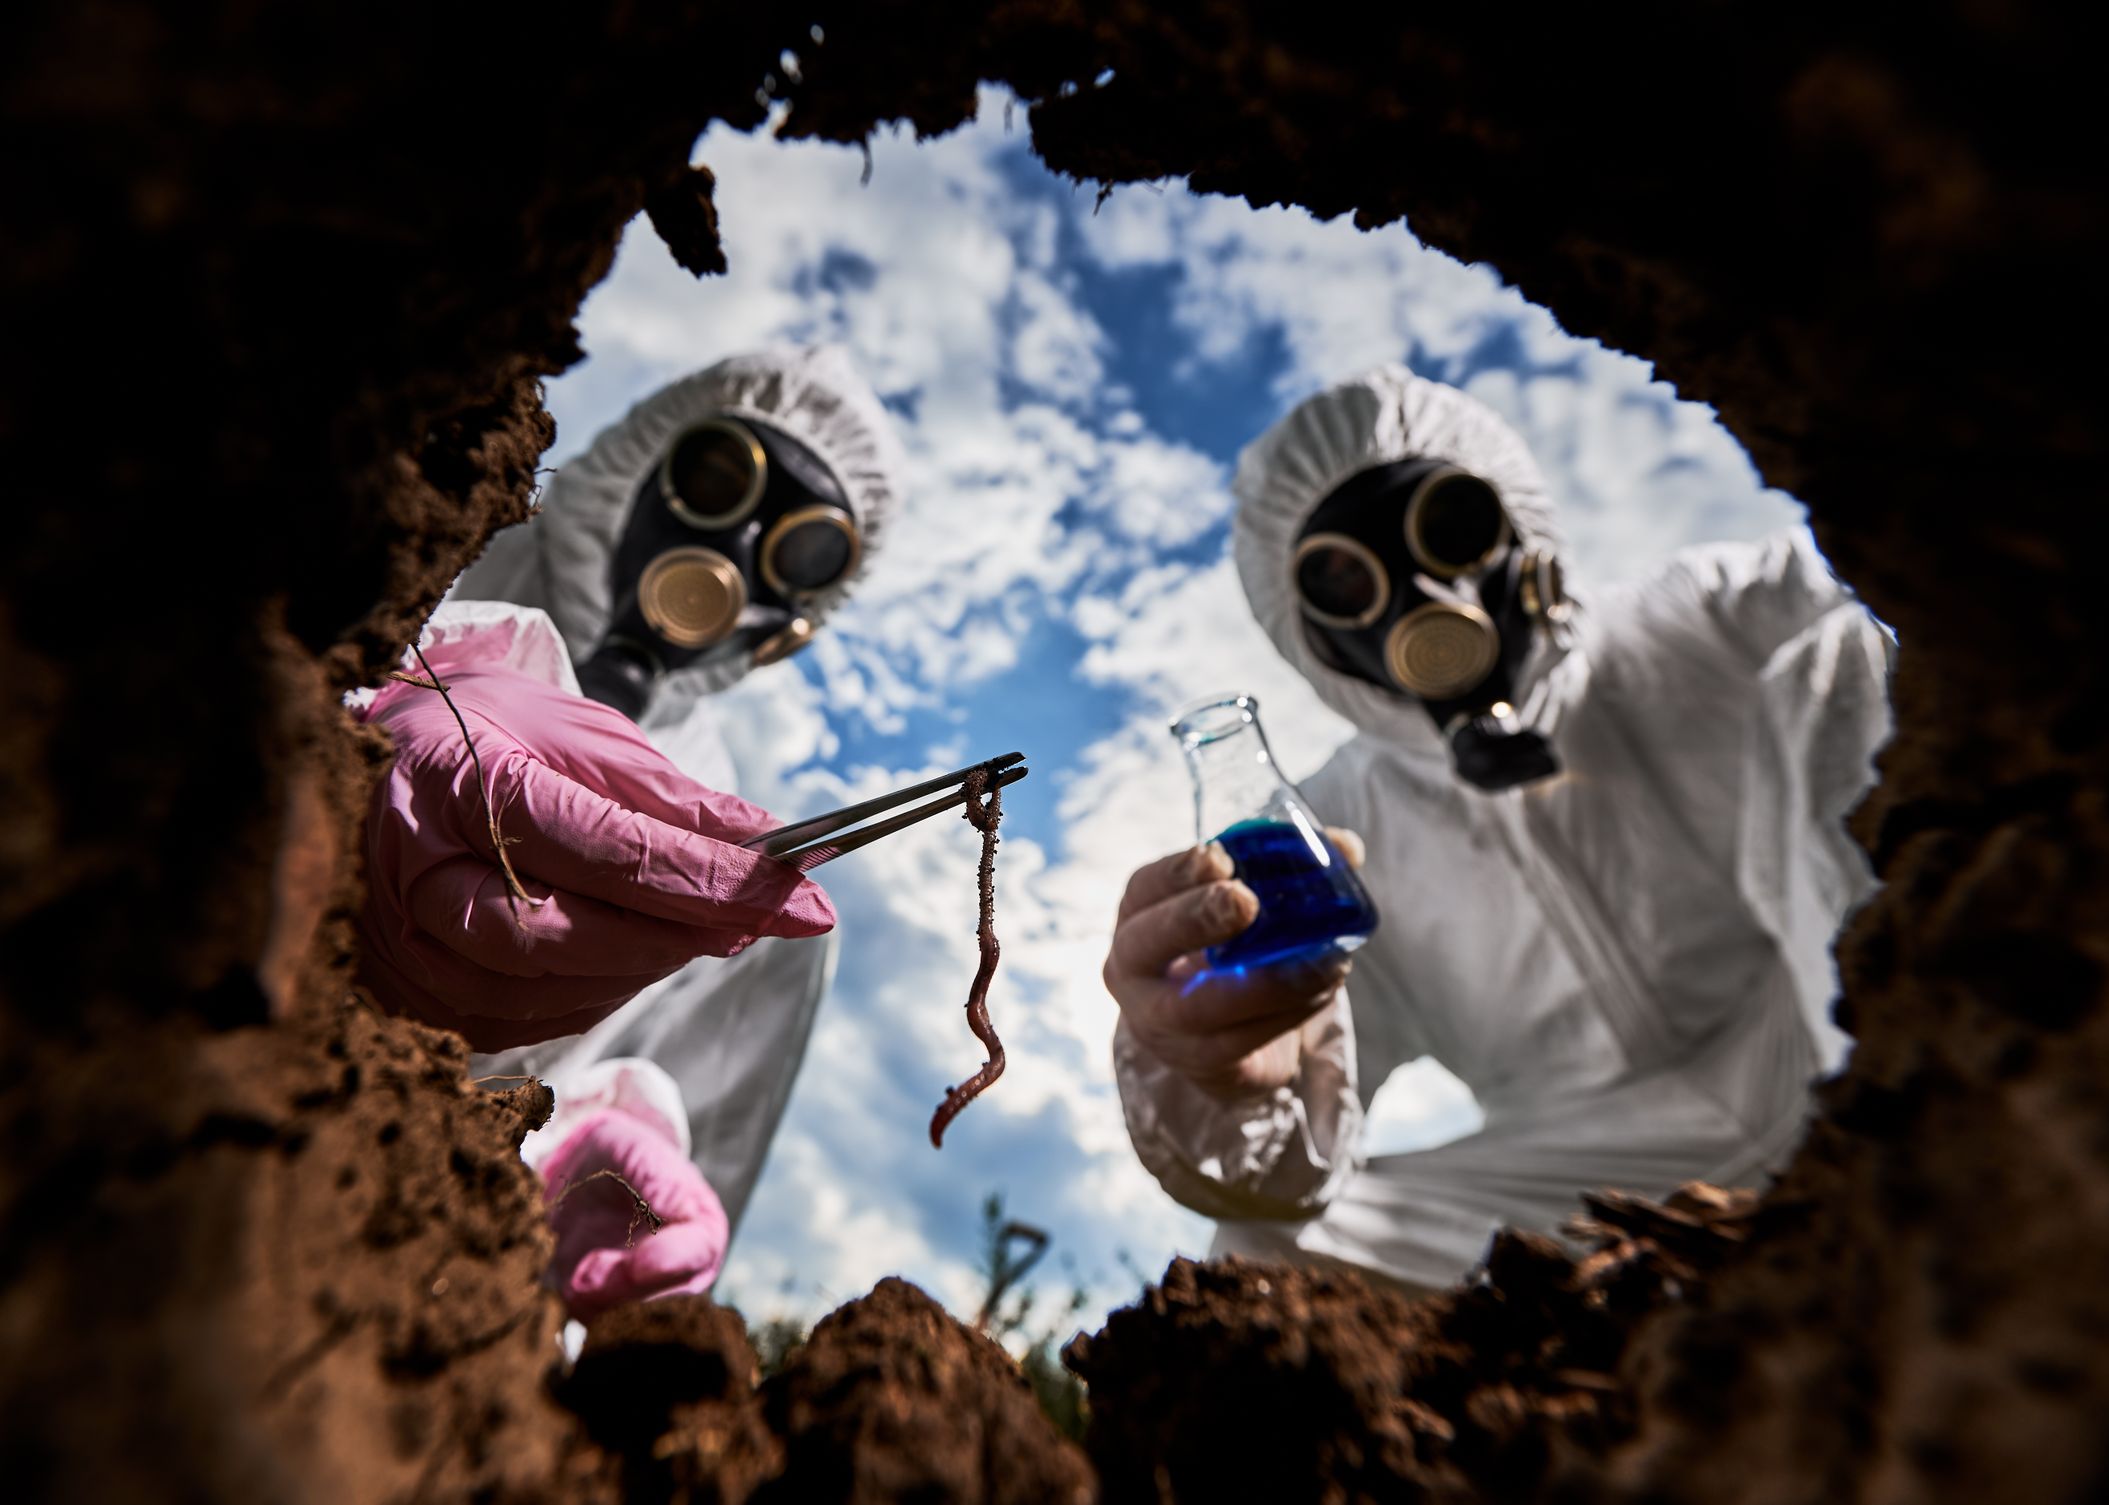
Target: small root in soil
point(640, 1213)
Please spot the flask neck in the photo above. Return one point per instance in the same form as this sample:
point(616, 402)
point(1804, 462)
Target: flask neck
point(1233, 770)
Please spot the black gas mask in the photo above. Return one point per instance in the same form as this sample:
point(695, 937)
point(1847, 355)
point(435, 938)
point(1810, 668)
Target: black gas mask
point(731, 534)
point(1409, 576)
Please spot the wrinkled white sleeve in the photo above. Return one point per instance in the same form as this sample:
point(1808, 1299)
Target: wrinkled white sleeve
point(1823, 714)
point(1284, 1154)
point(498, 632)
point(1278, 1154)
point(1758, 596)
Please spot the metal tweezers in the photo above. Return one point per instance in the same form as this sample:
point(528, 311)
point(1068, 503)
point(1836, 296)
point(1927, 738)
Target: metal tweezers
point(808, 843)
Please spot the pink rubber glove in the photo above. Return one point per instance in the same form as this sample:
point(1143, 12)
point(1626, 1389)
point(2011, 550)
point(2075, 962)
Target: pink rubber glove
point(606, 1252)
point(632, 868)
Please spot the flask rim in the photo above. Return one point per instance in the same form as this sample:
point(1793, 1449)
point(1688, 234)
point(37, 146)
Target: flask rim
point(1211, 718)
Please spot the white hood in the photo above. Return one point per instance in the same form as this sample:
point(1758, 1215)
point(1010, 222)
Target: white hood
point(1383, 415)
point(814, 394)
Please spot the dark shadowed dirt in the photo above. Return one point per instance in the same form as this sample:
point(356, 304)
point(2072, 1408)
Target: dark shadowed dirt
point(666, 1389)
point(295, 1252)
point(889, 1399)
point(1489, 1392)
point(281, 285)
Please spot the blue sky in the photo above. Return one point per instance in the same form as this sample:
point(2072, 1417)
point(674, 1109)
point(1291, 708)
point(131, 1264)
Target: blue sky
point(1073, 382)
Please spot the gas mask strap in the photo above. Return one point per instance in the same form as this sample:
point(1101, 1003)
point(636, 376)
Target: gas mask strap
point(782, 644)
point(1542, 584)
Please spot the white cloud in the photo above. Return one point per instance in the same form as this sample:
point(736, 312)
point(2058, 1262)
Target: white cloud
point(1636, 471)
point(1056, 347)
point(1159, 493)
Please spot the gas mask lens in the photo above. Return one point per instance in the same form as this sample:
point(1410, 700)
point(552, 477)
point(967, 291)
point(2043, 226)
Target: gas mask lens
point(809, 550)
point(1341, 583)
point(714, 475)
point(1454, 523)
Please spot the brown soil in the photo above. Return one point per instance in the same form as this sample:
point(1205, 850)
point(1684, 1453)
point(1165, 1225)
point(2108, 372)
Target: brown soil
point(299, 1251)
point(1489, 1392)
point(280, 287)
point(889, 1399)
point(666, 1390)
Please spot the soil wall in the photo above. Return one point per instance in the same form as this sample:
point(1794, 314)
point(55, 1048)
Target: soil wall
point(281, 284)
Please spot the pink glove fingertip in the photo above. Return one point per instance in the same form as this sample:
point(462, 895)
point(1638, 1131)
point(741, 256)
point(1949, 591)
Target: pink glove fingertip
point(585, 1289)
point(687, 1264)
point(809, 911)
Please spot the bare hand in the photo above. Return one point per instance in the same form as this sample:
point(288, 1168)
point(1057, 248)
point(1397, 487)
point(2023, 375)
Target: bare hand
point(1227, 1032)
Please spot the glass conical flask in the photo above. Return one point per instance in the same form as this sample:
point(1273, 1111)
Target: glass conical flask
point(1310, 899)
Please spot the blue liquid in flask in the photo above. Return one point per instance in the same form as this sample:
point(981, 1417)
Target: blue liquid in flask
point(1307, 904)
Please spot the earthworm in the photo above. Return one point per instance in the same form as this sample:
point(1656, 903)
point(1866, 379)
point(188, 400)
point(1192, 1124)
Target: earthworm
point(984, 813)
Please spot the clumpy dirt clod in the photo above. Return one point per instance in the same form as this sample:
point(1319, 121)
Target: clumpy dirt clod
point(528, 1097)
point(666, 1388)
point(1479, 1394)
point(1312, 1363)
point(685, 213)
point(891, 1399)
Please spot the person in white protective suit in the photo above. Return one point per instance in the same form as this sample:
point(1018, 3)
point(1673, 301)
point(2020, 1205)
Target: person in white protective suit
point(711, 530)
point(1606, 841)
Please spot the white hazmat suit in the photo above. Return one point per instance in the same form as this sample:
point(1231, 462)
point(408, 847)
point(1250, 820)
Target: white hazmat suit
point(730, 1033)
point(1627, 963)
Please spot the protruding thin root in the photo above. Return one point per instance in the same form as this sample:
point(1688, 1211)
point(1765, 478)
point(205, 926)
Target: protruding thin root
point(515, 892)
point(641, 1213)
